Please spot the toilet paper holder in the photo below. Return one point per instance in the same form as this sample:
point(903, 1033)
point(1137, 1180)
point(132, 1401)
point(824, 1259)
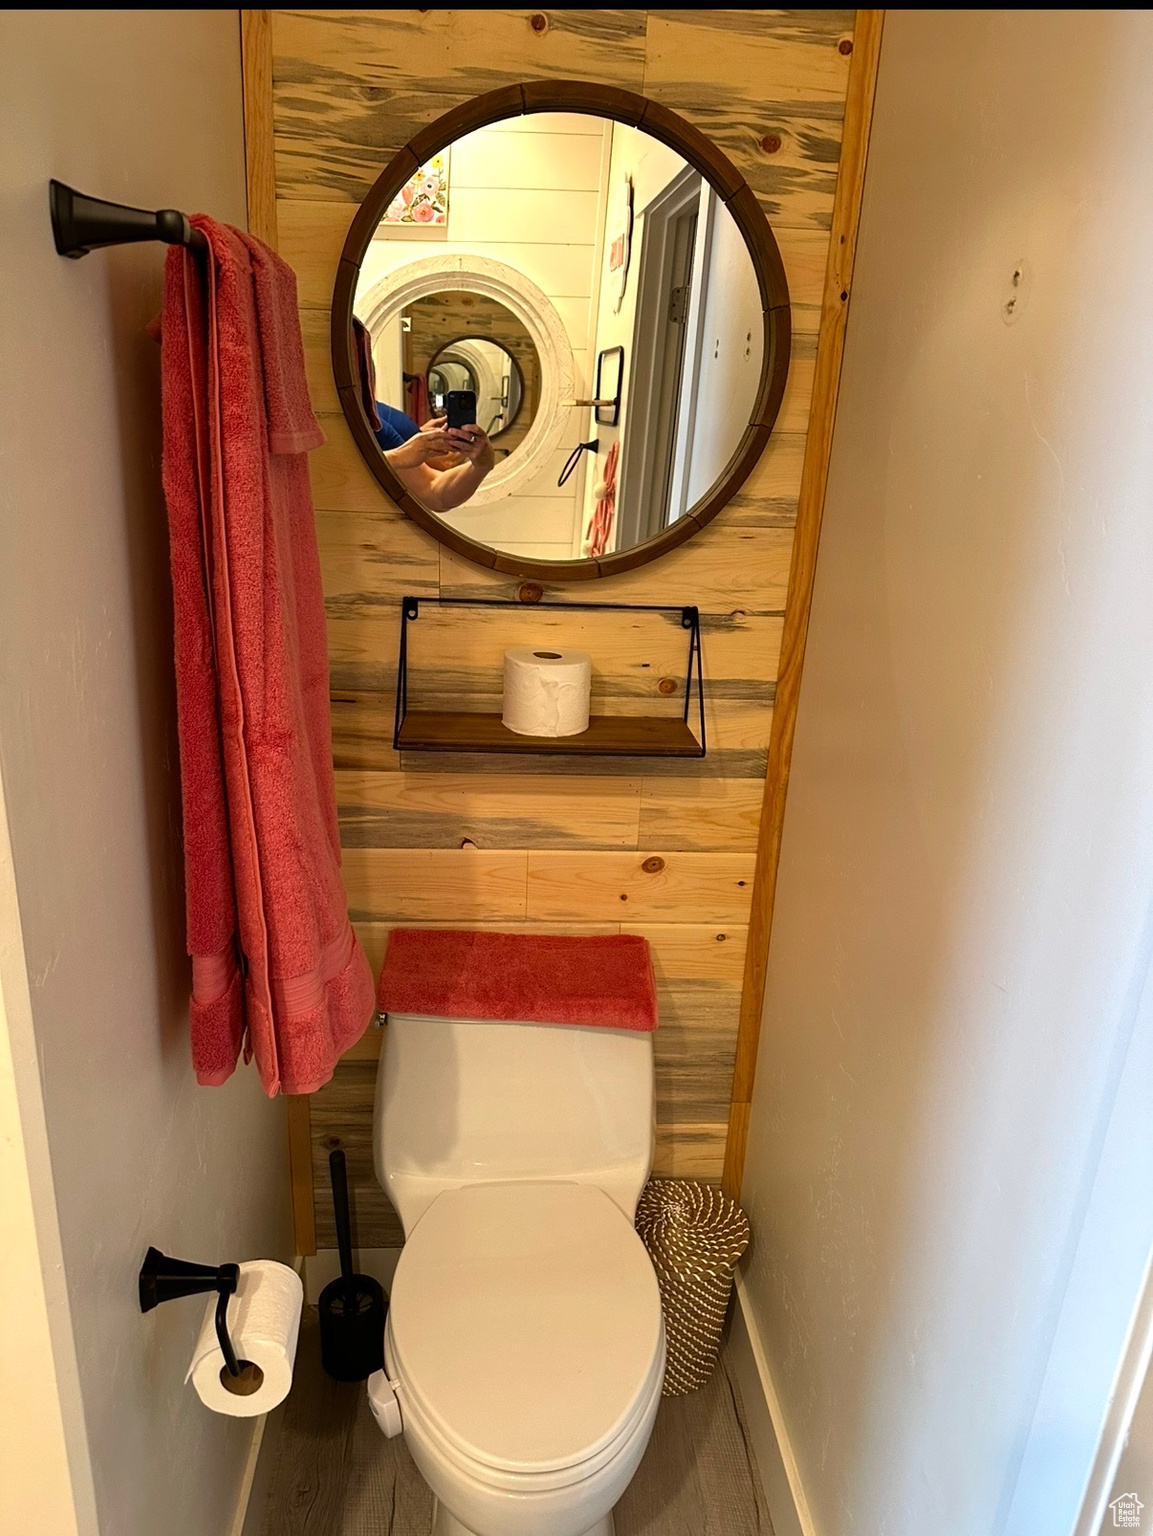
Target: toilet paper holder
point(163, 1279)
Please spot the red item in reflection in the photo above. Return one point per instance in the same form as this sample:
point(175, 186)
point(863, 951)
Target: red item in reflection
point(601, 523)
point(416, 397)
point(365, 371)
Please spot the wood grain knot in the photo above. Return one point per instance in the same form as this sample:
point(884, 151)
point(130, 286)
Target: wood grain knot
point(529, 592)
point(721, 937)
point(653, 866)
point(539, 22)
point(771, 143)
point(667, 685)
point(332, 1142)
point(845, 46)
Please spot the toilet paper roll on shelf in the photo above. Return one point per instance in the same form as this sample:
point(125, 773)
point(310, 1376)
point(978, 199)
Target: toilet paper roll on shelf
point(546, 692)
point(263, 1324)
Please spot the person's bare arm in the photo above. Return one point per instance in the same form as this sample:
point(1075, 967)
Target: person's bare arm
point(413, 461)
point(442, 490)
point(455, 486)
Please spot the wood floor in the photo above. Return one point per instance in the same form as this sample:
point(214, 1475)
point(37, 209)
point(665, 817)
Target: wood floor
point(334, 1473)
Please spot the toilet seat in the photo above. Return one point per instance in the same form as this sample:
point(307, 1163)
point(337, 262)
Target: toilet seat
point(526, 1484)
point(525, 1331)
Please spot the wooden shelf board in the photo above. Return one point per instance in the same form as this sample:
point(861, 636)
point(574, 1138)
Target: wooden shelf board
point(607, 736)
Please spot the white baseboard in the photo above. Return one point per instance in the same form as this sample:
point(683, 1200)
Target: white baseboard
point(323, 1266)
point(788, 1506)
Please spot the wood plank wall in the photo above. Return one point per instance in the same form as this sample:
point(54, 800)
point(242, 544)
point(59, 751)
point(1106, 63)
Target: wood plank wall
point(554, 845)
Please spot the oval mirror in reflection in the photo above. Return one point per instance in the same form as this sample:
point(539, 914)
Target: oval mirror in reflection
point(559, 336)
point(457, 340)
point(491, 373)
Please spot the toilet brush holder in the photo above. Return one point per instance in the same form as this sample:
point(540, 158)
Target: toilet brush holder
point(351, 1308)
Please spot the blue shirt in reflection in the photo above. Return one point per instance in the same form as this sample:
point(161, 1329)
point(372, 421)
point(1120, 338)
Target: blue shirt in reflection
point(395, 427)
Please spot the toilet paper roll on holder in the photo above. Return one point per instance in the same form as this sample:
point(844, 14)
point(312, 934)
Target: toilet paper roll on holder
point(163, 1279)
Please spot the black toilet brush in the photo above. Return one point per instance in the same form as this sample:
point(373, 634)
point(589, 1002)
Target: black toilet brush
point(352, 1308)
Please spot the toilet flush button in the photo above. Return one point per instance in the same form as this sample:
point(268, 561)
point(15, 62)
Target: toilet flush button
point(385, 1404)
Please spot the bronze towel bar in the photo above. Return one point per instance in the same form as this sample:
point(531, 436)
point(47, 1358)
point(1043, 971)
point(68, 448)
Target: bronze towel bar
point(81, 224)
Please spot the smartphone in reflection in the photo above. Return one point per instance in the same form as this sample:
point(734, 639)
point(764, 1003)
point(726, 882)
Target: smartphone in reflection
point(460, 407)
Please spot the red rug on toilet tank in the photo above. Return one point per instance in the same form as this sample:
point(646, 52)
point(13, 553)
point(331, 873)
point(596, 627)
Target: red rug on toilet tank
point(535, 978)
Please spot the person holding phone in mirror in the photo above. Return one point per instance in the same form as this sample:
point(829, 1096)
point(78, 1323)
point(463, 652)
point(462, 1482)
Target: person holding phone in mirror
point(447, 459)
point(394, 426)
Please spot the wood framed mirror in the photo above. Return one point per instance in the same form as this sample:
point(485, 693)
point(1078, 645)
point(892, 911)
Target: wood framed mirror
point(607, 221)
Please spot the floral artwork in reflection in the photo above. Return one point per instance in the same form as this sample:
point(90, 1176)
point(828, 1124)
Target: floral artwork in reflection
point(423, 200)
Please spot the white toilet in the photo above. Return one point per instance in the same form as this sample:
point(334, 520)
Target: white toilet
point(525, 1346)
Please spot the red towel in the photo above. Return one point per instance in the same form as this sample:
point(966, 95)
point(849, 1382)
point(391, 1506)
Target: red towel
point(416, 397)
point(530, 977)
point(273, 954)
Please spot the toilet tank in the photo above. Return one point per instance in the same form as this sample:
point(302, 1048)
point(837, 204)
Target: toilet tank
point(463, 1101)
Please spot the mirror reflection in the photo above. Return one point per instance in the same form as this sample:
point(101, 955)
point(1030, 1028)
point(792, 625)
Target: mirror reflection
point(490, 372)
point(460, 341)
point(559, 330)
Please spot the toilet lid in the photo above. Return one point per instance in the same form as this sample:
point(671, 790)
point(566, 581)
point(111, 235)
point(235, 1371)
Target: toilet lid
point(526, 1322)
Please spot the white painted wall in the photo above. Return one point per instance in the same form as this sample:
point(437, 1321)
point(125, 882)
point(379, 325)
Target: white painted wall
point(526, 192)
point(144, 106)
point(950, 1154)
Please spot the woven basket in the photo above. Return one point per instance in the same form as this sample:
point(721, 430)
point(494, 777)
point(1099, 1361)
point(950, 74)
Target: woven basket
point(695, 1235)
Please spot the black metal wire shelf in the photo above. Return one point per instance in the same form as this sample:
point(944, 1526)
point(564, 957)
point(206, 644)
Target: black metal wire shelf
point(420, 730)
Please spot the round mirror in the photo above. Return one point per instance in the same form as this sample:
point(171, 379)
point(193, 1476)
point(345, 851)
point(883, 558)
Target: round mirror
point(561, 335)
